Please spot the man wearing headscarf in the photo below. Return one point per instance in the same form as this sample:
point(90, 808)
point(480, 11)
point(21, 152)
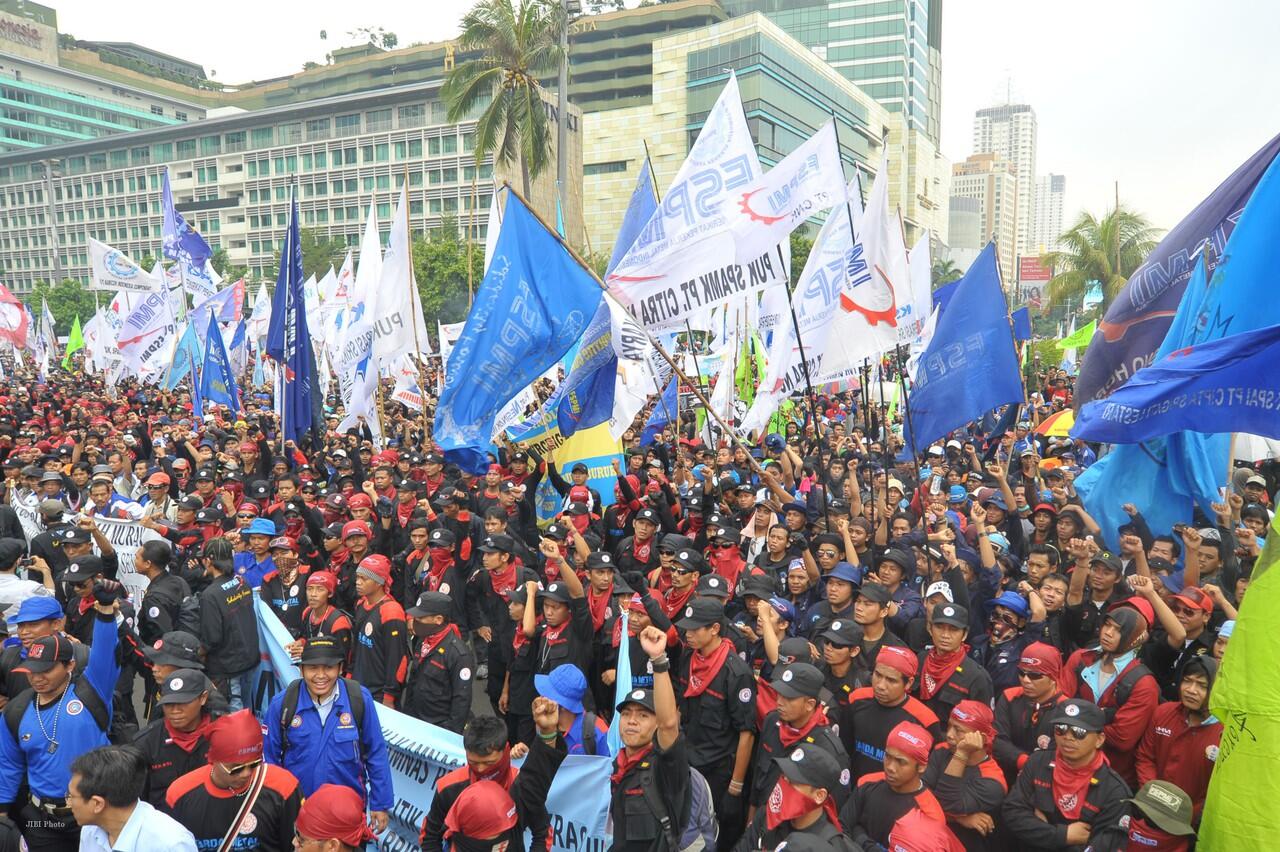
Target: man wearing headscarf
point(1022, 712)
point(237, 795)
point(332, 819)
point(966, 780)
point(882, 797)
point(1113, 677)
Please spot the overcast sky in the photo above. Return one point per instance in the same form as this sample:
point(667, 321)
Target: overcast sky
point(1165, 96)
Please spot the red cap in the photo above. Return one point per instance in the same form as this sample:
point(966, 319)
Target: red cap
point(334, 812)
point(495, 468)
point(158, 479)
point(1041, 658)
point(976, 716)
point(248, 509)
point(898, 658)
point(912, 740)
point(376, 567)
point(351, 528)
point(1195, 598)
point(360, 501)
point(579, 494)
point(235, 739)
point(484, 810)
point(916, 831)
point(1142, 605)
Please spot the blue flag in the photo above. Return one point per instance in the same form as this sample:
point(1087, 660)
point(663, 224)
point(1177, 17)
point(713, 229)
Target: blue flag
point(193, 369)
point(1139, 318)
point(217, 382)
point(644, 201)
point(289, 341)
point(534, 303)
point(622, 680)
point(187, 353)
point(1166, 476)
point(970, 366)
point(943, 295)
point(1021, 324)
point(1226, 385)
point(663, 412)
point(179, 241)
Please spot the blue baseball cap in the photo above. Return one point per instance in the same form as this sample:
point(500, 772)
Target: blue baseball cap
point(37, 609)
point(957, 494)
point(565, 685)
point(844, 571)
point(1011, 601)
point(998, 540)
point(261, 526)
point(783, 608)
point(997, 500)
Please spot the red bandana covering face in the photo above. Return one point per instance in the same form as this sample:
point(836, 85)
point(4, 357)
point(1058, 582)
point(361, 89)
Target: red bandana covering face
point(703, 669)
point(441, 561)
point(787, 803)
point(502, 773)
point(938, 668)
point(728, 563)
point(433, 641)
point(1070, 785)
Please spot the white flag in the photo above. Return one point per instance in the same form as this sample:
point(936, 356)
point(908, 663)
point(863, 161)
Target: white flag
point(356, 367)
point(398, 326)
point(913, 315)
point(805, 183)
point(449, 333)
point(112, 269)
point(685, 259)
point(493, 228)
point(147, 337)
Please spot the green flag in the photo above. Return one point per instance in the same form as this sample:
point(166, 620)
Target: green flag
point(1080, 339)
point(1239, 812)
point(74, 343)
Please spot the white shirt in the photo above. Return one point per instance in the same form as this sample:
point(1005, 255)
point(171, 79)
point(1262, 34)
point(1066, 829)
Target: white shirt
point(325, 705)
point(148, 830)
point(14, 590)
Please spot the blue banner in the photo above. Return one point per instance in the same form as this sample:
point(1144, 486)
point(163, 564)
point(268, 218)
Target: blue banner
point(1227, 385)
point(185, 357)
point(217, 381)
point(1138, 320)
point(534, 303)
point(585, 398)
point(421, 754)
point(664, 413)
point(970, 366)
point(179, 241)
point(1188, 467)
point(289, 341)
point(640, 209)
point(1021, 324)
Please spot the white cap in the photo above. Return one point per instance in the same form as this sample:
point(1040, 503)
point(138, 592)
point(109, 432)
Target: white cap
point(940, 587)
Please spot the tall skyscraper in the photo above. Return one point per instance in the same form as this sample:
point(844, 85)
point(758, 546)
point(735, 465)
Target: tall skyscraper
point(1009, 131)
point(1051, 192)
point(890, 50)
point(988, 179)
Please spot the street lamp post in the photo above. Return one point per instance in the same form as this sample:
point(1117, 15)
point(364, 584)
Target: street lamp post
point(50, 165)
point(570, 9)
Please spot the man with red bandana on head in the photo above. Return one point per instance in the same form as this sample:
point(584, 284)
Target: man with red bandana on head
point(380, 660)
point(968, 783)
point(210, 800)
point(322, 618)
point(332, 819)
point(882, 798)
point(873, 711)
point(469, 809)
point(488, 496)
point(1022, 712)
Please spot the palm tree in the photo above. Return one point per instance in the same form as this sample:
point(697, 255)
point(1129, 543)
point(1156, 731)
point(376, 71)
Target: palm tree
point(945, 271)
point(517, 41)
point(1105, 250)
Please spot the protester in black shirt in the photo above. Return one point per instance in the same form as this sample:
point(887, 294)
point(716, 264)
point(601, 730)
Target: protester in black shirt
point(228, 626)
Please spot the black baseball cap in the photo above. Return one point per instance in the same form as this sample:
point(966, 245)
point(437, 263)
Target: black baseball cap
point(83, 568)
point(759, 586)
point(430, 603)
point(73, 535)
point(597, 561)
point(45, 653)
point(500, 543)
point(899, 557)
point(176, 648)
point(442, 538)
point(322, 651)
point(183, 687)
point(713, 586)
point(556, 532)
point(1110, 560)
point(639, 697)
point(809, 763)
point(798, 680)
point(844, 633)
point(875, 592)
point(701, 612)
point(1081, 714)
point(647, 514)
point(556, 592)
point(949, 613)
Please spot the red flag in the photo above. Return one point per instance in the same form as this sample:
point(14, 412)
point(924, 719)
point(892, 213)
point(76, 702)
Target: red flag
point(13, 319)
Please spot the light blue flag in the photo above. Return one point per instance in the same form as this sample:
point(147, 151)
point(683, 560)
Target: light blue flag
point(970, 366)
point(559, 214)
point(217, 381)
point(622, 685)
point(239, 349)
point(640, 209)
point(662, 414)
point(188, 352)
point(1187, 468)
point(534, 303)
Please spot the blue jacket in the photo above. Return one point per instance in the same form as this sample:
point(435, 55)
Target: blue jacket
point(251, 570)
point(331, 754)
point(29, 760)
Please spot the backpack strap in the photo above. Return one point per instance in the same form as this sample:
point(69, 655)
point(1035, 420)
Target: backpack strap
point(16, 709)
point(1124, 688)
point(588, 732)
point(288, 710)
point(92, 702)
point(356, 699)
point(659, 808)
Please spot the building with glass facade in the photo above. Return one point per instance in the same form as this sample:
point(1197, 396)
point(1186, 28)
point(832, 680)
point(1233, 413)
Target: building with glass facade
point(891, 49)
point(232, 177)
point(788, 93)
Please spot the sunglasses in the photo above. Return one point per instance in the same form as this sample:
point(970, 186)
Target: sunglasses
point(828, 553)
point(243, 767)
point(666, 551)
point(157, 487)
point(725, 545)
point(1031, 675)
point(1076, 731)
point(246, 515)
point(684, 570)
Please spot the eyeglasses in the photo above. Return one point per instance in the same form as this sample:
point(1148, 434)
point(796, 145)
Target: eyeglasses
point(828, 553)
point(1182, 610)
point(682, 570)
point(243, 767)
point(1031, 675)
point(301, 841)
point(1076, 731)
point(157, 487)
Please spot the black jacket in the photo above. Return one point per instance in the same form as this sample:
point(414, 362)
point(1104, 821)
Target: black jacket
point(228, 627)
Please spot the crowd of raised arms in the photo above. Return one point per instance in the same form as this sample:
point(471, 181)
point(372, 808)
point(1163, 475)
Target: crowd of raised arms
point(831, 645)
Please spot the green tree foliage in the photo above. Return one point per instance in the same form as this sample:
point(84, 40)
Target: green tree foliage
point(440, 266)
point(800, 248)
point(517, 42)
point(222, 265)
point(1106, 250)
point(318, 254)
point(66, 301)
point(944, 271)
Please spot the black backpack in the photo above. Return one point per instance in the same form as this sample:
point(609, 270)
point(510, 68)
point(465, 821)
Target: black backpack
point(189, 615)
point(85, 693)
point(290, 709)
